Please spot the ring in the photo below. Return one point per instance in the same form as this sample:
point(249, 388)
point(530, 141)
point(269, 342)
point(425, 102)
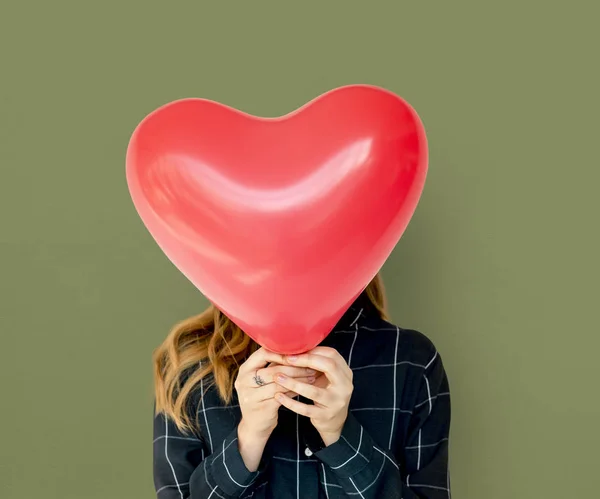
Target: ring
point(258, 380)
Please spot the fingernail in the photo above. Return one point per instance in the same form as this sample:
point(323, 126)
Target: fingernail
point(311, 379)
point(280, 378)
point(310, 371)
point(292, 358)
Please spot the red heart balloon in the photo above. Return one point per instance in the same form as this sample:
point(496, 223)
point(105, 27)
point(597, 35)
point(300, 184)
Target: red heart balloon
point(280, 222)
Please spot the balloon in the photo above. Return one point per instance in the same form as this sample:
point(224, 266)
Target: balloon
point(280, 222)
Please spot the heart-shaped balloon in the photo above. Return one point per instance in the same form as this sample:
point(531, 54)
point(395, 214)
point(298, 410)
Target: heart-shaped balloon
point(280, 222)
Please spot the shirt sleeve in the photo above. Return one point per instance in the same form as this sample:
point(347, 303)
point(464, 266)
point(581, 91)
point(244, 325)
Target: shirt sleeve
point(368, 471)
point(183, 469)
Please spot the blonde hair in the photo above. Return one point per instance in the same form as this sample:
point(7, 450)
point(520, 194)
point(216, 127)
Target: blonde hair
point(210, 343)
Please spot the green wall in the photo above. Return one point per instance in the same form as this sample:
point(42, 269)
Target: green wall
point(499, 265)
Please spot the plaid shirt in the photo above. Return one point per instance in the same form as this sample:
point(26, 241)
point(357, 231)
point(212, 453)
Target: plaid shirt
point(394, 442)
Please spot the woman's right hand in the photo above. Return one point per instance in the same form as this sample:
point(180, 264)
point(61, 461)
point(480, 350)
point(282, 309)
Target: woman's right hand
point(257, 403)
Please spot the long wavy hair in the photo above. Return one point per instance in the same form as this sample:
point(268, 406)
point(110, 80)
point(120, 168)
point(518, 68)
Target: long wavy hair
point(210, 347)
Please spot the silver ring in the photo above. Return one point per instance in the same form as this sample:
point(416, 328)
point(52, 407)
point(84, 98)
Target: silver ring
point(258, 380)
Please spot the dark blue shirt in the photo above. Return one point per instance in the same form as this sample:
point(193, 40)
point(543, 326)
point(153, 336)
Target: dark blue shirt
point(394, 443)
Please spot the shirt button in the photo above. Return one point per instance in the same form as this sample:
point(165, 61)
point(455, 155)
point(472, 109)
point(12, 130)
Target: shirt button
point(308, 452)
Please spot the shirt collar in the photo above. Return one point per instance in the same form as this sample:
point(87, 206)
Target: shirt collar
point(355, 313)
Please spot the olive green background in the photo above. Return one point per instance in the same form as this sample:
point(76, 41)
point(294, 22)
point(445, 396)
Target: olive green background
point(498, 267)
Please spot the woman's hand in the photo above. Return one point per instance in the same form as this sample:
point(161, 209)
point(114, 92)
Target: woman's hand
point(255, 389)
point(257, 403)
point(330, 393)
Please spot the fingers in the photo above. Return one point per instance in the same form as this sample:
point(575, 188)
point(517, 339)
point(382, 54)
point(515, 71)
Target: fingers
point(269, 391)
point(267, 374)
point(326, 365)
point(298, 407)
point(332, 353)
point(259, 359)
point(317, 395)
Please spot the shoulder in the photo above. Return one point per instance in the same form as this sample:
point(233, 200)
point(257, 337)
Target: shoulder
point(410, 345)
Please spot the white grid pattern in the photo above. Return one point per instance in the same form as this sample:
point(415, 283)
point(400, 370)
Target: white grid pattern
point(177, 484)
point(324, 482)
point(297, 456)
point(356, 453)
point(361, 492)
point(387, 457)
point(395, 392)
point(227, 469)
point(204, 413)
point(333, 479)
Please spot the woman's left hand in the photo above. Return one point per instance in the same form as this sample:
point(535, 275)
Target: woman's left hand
point(330, 392)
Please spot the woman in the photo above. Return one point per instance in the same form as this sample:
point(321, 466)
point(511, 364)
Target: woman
point(365, 414)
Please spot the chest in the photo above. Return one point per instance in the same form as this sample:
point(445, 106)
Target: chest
point(378, 402)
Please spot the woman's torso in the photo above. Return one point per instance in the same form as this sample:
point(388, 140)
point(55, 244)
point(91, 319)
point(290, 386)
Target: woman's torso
point(386, 361)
